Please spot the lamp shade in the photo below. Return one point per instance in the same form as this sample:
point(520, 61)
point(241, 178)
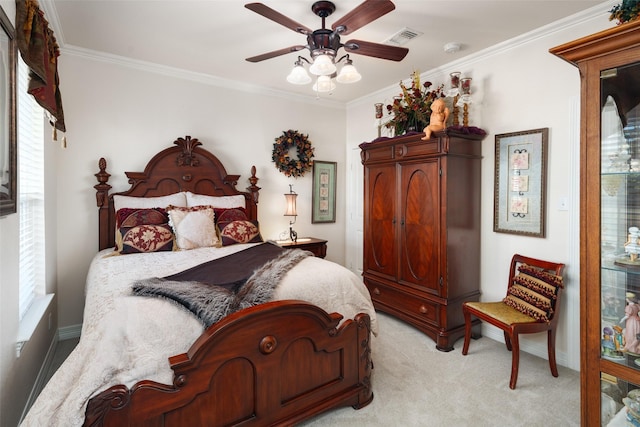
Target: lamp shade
point(299, 76)
point(291, 204)
point(322, 66)
point(348, 74)
point(324, 84)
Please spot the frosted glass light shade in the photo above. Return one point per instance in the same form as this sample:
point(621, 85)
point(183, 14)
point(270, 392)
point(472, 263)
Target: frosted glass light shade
point(299, 76)
point(324, 84)
point(291, 204)
point(322, 66)
point(348, 74)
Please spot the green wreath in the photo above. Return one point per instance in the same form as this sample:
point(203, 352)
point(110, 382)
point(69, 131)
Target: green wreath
point(285, 164)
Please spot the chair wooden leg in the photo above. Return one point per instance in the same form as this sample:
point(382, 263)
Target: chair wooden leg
point(467, 331)
point(515, 360)
point(551, 345)
point(507, 340)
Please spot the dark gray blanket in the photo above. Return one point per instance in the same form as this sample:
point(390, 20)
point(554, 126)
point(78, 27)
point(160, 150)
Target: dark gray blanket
point(210, 302)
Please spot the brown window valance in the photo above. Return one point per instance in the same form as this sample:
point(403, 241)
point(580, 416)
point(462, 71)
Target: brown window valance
point(40, 51)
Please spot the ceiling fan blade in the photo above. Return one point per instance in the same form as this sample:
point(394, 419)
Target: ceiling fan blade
point(376, 50)
point(275, 16)
point(366, 12)
point(275, 53)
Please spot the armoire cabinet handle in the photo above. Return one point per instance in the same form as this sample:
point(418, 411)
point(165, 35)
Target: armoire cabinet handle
point(376, 291)
point(424, 309)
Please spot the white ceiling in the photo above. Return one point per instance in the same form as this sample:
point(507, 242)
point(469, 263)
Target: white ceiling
point(213, 37)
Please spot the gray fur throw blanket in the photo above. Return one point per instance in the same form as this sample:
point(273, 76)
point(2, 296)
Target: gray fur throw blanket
point(210, 303)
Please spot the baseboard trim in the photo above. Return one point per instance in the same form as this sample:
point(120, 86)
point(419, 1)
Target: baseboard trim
point(66, 333)
point(41, 378)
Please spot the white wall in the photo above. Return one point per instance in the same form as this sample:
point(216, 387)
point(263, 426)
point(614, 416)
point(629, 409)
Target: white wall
point(519, 86)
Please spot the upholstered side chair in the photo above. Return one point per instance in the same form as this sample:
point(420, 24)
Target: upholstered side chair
point(530, 306)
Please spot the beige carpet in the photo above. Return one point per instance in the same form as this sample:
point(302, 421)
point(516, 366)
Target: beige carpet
point(416, 385)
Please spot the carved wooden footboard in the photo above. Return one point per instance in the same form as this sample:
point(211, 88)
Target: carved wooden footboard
point(274, 364)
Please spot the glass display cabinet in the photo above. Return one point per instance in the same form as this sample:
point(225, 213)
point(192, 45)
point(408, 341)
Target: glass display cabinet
point(609, 65)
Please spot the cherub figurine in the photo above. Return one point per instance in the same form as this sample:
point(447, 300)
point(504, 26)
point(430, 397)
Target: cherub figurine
point(438, 119)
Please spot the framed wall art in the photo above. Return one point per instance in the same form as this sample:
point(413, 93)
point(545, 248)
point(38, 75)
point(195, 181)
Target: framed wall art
point(520, 182)
point(324, 192)
point(8, 133)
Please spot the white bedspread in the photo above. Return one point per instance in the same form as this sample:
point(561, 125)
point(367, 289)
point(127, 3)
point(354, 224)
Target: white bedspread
point(128, 338)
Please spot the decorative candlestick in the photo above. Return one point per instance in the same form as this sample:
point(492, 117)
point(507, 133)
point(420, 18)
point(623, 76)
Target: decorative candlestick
point(466, 100)
point(378, 106)
point(454, 92)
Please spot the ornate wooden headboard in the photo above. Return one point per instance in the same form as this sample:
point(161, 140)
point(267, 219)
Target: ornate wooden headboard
point(184, 167)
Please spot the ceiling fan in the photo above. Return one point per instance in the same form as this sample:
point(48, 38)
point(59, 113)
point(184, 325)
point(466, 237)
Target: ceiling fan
point(324, 43)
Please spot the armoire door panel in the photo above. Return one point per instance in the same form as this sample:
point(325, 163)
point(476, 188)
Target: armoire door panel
point(420, 225)
point(380, 245)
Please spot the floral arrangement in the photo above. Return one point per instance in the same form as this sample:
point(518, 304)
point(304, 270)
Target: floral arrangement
point(412, 109)
point(280, 156)
point(626, 11)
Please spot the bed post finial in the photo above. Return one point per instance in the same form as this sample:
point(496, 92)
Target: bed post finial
point(102, 188)
point(253, 188)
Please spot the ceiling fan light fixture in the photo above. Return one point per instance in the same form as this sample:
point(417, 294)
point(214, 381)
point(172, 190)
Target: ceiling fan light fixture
point(298, 75)
point(348, 73)
point(324, 43)
point(324, 84)
point(322, 65)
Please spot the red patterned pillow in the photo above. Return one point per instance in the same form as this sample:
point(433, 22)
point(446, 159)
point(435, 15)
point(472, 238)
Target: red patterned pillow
point(240, 231)
point(534, 292)
point(143, 230)
point(232, 214)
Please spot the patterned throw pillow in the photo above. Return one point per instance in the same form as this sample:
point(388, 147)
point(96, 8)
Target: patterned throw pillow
point(239, 231)
point(232, 214)
point(132, 202)
point(143, 230)
point(534, 292)
point(194, 227)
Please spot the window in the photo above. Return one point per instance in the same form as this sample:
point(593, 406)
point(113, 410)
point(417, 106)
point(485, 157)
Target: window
point(30, 193)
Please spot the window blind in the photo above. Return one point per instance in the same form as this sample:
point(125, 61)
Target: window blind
point(30, 193)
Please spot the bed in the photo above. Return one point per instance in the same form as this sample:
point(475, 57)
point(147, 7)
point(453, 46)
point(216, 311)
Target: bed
point(149, 361)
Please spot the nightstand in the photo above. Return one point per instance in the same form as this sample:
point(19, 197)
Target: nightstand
point(317, 246)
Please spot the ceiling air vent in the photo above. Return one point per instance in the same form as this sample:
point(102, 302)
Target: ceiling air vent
point(402, 37)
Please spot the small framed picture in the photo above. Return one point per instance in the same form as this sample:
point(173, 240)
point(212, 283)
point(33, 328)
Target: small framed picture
point(324, 192)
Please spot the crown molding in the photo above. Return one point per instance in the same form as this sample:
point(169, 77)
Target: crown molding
point(467, 62)
point(202, 78)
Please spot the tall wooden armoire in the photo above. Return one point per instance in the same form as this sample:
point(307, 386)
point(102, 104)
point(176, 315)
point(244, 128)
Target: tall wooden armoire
point(422, 229)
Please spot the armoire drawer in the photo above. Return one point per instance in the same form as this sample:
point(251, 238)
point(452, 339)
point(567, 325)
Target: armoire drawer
point(407, 303)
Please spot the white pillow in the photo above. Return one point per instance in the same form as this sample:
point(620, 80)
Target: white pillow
point(176, 199)
point(226, 202)
point(193, 227)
